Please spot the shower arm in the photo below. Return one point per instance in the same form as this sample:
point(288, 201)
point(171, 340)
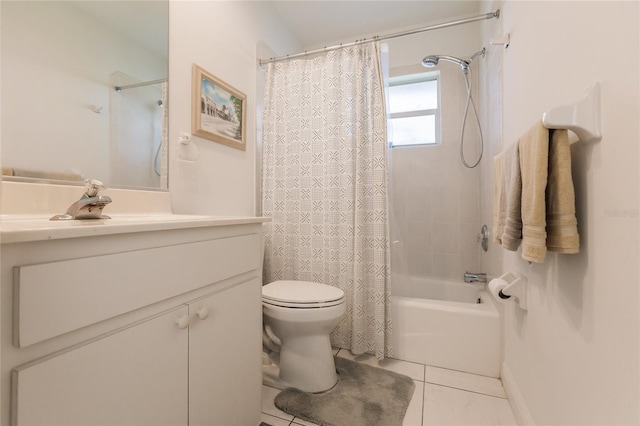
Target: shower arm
point(432, 60)
point(463, 63)
point(478, 53)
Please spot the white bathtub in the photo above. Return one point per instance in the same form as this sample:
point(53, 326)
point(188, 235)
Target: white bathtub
point(441, 323)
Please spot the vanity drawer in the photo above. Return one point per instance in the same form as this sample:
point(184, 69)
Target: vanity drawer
point(51, 299)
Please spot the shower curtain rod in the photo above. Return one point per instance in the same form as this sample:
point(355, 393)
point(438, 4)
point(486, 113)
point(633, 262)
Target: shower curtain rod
point(145, 83)
point(484, 16)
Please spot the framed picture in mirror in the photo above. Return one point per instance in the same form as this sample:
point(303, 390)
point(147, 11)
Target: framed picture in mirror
point(218, 110)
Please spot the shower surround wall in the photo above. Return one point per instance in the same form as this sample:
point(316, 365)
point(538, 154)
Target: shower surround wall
point(434, 197)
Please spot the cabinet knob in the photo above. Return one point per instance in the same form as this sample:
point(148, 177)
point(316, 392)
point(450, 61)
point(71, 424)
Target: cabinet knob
point(183, 322)
point(203, 313)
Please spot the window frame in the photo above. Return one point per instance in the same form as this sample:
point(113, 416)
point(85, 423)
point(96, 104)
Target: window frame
point(413, 78)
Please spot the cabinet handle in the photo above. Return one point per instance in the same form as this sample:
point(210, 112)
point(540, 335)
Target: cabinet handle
point(203, 313)
point(183, 322)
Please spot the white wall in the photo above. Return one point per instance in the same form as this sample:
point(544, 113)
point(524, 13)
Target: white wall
point(222, 37)
point(434, 198)
point(574, 354)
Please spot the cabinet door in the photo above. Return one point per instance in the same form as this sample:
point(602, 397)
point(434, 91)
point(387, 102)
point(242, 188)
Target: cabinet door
point(137, 376)
point(225, 373)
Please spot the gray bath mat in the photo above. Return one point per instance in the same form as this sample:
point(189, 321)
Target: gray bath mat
point(364, 396)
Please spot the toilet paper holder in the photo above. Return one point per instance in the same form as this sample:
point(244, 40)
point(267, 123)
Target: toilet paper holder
point(511, 285)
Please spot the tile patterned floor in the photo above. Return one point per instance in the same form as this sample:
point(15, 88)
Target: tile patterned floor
point(441, 397)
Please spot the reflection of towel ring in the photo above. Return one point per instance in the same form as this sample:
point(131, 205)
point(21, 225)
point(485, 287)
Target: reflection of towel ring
point(184, 138)
point(96, 108)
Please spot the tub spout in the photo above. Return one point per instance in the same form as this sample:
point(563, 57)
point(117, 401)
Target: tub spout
point(475, 277)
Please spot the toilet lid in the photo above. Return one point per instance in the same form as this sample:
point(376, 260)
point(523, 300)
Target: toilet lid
point(301, 294)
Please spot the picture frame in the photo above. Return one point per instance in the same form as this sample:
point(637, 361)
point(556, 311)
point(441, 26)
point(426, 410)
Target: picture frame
point(218, 110)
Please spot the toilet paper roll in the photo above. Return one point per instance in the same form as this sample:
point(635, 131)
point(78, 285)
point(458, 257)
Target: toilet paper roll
point(495, 288)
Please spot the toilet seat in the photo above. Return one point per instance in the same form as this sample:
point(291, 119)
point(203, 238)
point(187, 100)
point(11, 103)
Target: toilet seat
point(301, 294)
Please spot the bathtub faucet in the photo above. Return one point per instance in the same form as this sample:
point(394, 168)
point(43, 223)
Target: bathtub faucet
point(475, 277)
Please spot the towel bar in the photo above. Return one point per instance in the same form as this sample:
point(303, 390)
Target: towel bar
point(582, 117)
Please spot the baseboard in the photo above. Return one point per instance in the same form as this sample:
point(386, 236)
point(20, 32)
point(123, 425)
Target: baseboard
point(518, 405)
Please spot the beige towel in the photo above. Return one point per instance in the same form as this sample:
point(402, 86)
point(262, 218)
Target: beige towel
point(534, 156)
point(512, 235)
point(507, 194)
point(562, 225)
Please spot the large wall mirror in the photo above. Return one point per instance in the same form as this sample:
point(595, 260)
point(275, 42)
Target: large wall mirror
point(62, 118)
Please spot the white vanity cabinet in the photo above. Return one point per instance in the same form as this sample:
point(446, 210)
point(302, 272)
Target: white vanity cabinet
point(134, 377)
point(220, 369)
point(156, 327)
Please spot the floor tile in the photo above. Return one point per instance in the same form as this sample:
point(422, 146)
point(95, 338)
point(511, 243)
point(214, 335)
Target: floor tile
point(268, 395)
point(447, 406)
point(411, 369)
point(274, 421)
point(413, 416)
point(446, 397)
point(464, 381)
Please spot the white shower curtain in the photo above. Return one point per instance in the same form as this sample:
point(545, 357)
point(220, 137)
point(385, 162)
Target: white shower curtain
point(325, 186)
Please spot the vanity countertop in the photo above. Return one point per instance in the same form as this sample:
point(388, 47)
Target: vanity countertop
point(25, 228)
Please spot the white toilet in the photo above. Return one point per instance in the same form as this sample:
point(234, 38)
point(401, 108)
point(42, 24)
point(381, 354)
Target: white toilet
point(301, 315)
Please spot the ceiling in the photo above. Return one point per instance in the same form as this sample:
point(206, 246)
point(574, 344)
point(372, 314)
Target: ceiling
point(316, 23)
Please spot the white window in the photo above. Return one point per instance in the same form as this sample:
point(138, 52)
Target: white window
point(414, 109)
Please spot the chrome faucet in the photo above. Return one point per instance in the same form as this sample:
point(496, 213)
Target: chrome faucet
point(475, 277)
point(89, 206)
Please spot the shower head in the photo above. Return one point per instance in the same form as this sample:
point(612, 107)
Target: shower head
point(432, 60)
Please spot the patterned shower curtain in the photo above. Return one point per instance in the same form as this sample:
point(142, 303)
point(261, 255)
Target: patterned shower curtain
point(325, 186)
